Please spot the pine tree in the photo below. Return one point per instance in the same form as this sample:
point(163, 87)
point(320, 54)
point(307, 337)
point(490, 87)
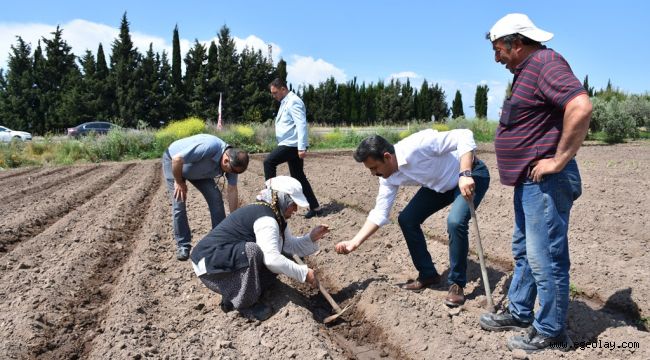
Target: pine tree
point(457, 106)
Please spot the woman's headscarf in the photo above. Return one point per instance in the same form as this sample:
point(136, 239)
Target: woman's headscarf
point(283, 199)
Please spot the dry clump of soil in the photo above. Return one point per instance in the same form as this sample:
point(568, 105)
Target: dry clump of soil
point(88, 269)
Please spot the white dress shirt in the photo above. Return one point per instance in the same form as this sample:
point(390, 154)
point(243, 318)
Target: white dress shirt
point(267, 237)
point(427, 158)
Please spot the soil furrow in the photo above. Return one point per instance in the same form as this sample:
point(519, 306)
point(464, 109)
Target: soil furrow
point(31, 217)
point(59, 302)
point(40, 182)
point(7, 174)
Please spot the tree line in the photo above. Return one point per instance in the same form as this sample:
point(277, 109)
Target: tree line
point(50, 88)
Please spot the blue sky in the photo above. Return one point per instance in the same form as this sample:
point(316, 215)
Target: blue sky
point(440, 41)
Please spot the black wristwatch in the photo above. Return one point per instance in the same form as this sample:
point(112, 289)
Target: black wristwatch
point(467, 173)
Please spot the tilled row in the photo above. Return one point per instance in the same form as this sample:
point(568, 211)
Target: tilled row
point(36, 184)
point(57, 283)
point(33, 213)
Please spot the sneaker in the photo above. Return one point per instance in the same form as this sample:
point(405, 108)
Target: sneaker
point(183, 253)
point(455, 297)
point(315, 212)
point(259, 311)
point(534, 341)
point(501, 322)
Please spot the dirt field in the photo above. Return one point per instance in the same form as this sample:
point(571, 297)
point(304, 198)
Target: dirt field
point(88, 269)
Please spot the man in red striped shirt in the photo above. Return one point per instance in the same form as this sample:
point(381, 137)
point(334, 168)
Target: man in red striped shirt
point(542, 126)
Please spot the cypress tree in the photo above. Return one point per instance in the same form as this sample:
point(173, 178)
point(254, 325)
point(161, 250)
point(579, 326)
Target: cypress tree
point(105, 88)
point(229, 73)
point(60, 77)
point(124, 62)
point(18, 88)
point(282, 70)
point(196, 79)
point(589, 89)
point(457, 106)
point(480, 101)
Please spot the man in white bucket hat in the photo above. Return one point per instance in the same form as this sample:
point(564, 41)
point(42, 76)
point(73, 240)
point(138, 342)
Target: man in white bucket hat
point(543, 123)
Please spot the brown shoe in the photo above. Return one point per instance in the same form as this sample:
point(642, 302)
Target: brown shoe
point(419, 284)
point(455, 296)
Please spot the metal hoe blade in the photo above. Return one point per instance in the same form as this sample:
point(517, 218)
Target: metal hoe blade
point(327, 297)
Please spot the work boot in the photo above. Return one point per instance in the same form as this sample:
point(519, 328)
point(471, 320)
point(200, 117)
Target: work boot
point(534, 341)
point(455, 297)
point(259, 311)
point(501, 322)
point(183, 253)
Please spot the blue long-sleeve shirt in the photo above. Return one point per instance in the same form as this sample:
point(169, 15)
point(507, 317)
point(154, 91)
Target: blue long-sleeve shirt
point(291, 122)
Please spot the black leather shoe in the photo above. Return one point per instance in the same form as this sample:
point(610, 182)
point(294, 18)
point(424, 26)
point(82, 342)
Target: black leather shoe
point(259, 311)
point(419, 284)
point(311, 213)
point(534, 341)
point(183, 253)
point(501, 322)
point(226, 306)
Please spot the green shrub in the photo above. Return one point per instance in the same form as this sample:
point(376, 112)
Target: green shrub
point(484, 130)
point(611, 118)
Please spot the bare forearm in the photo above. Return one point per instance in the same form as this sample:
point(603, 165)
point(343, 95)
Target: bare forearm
point(365, 232)
point(177, 169)
point(233, 198)
point(577, 116)
point(466, 161)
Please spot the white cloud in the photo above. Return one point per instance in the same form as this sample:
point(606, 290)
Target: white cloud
point(403, 76)
point(81, 35)
point(303, 70)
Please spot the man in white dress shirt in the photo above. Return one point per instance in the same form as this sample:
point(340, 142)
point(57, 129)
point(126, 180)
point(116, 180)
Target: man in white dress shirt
point(443, 164)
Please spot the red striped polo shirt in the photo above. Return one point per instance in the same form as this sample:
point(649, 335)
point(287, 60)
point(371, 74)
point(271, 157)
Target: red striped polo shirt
point(531, 119)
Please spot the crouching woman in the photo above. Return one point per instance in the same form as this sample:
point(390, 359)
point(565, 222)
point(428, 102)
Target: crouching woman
point(242, 255)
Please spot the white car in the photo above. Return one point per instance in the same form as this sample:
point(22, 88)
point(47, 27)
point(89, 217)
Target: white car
point(6, 135)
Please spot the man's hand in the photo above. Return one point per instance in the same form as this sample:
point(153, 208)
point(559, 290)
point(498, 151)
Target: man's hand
point(318, 232)
point(180, 191)
point(311, 278)
point(346, 247)
point(543, 167)
point(467, 187)
point(302, 153)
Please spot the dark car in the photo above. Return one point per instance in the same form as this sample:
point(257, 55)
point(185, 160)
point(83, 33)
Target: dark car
point(98, 127)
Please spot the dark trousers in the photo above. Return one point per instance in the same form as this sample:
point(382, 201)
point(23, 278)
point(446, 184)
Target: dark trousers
point(424, 204)
point(289, 154)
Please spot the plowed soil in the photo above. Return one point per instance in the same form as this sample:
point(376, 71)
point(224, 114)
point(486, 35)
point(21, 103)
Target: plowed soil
point(88, 269)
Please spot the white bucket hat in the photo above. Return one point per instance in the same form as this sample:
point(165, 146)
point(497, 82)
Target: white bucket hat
point(518, 24)
point(289, 186)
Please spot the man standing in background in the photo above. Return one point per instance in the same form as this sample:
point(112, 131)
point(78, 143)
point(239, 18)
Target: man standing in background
point(293, 140)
